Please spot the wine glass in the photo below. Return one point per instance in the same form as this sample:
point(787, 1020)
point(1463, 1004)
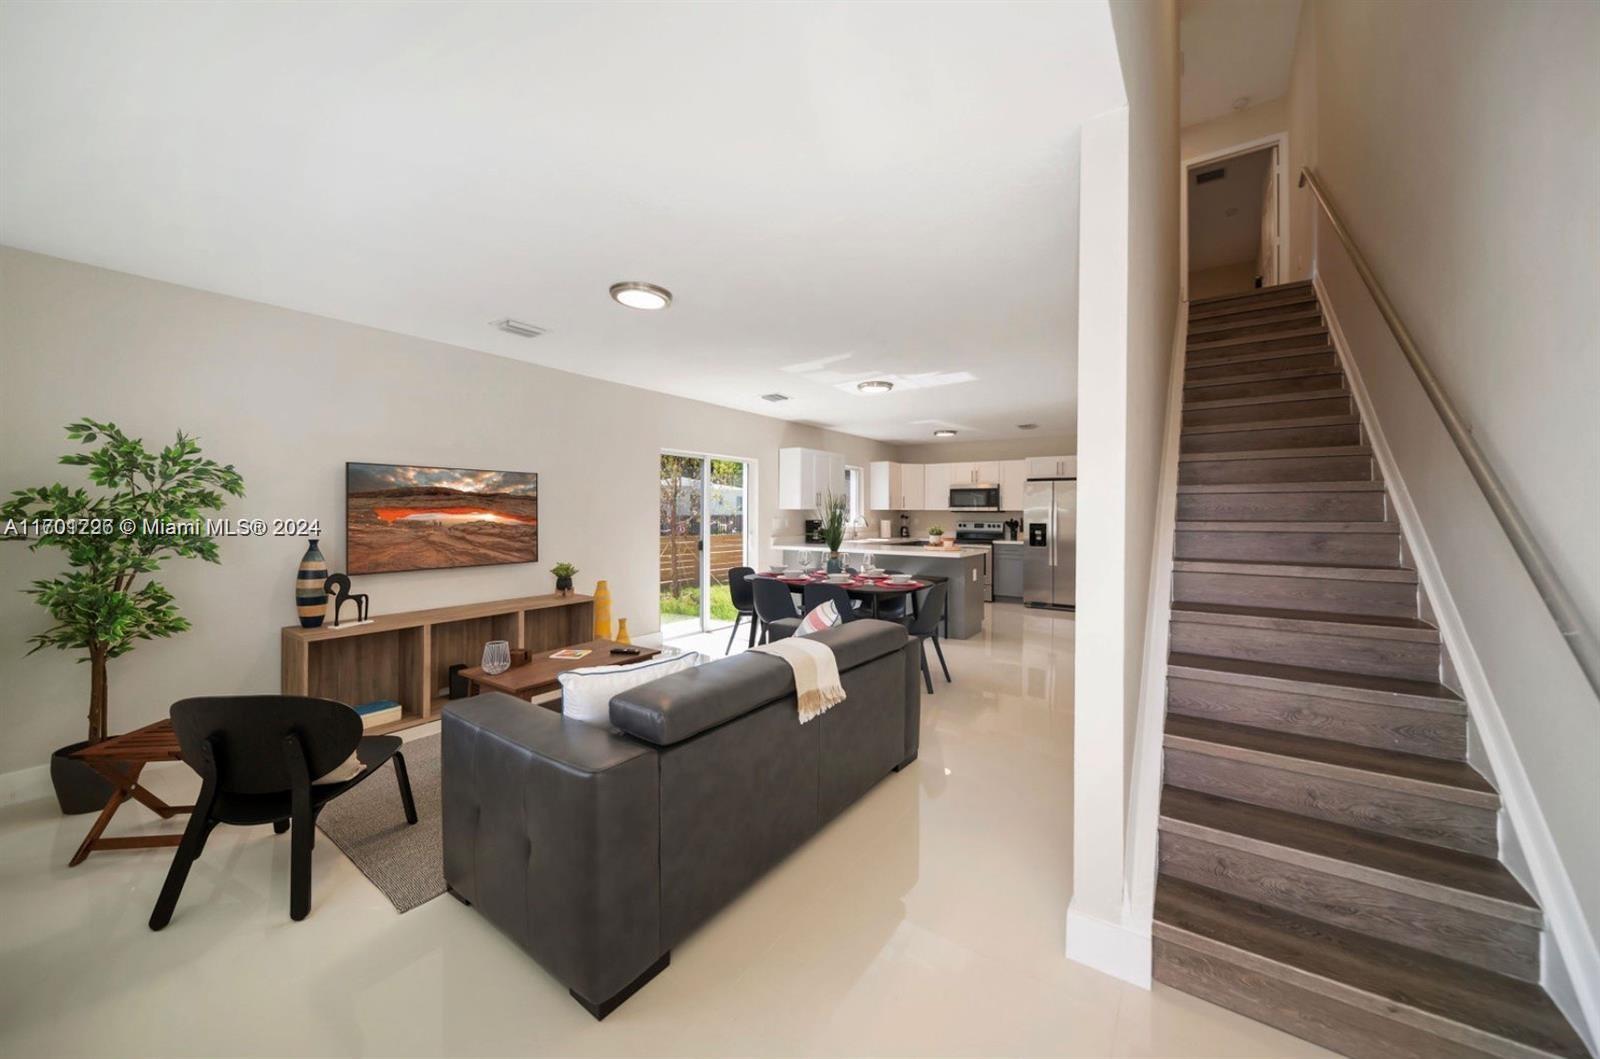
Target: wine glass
point(496, 657)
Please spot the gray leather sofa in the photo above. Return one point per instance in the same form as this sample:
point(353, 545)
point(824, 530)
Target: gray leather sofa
point(598, 851)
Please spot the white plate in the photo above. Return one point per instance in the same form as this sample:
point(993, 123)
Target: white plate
point(794, 571)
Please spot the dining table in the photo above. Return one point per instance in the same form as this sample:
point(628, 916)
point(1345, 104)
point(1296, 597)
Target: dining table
point(871, 589)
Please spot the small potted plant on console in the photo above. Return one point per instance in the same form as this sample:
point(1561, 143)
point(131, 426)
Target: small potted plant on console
point(564, 574)
point(935, 535)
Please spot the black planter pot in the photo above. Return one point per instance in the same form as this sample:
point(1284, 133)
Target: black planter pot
point(79, 788)
point(563, 585)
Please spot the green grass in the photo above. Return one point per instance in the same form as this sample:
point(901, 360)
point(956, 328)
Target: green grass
point(687, 605)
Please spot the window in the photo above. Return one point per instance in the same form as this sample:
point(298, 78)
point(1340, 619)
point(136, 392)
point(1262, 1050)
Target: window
point(852, 487)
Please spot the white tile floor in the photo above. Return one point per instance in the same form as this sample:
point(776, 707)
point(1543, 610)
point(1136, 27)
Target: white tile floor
point(926, 921)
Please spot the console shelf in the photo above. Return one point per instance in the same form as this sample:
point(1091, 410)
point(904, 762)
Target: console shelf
point(407, 656)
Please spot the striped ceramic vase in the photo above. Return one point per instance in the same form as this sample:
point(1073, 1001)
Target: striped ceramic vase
point(310, 598)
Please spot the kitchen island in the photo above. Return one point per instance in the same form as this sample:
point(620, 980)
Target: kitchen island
point(963, 569)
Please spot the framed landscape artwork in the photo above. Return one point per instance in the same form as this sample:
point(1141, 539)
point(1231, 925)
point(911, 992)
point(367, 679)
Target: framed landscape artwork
point(430, 518)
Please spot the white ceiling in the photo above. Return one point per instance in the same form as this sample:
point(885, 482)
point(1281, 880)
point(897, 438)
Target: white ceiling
point(1232, 50)
point(832, 191)
point(1215, 236)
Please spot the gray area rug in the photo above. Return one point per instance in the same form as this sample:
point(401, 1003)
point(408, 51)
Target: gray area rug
point(405, 862)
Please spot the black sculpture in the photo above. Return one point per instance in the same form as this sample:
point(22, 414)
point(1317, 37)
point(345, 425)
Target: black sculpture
point(341, 583)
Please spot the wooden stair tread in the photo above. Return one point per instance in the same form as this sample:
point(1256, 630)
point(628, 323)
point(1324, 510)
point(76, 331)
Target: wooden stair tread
point(1475, 1008)
point(1259, 292)
point(1251, 526)
point(1333, 623)
point(1326, 571)
point(1270, 398)
point(1331, 683)
point(1297, 423)
point(1481, 883)
point(1244, 340)
point(1364, 485)
point(1261, 376)
point(1282, 453)
point(1258, 355)
point(1454, 780)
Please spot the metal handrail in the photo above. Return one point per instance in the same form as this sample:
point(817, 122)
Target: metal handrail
point(1569, 620)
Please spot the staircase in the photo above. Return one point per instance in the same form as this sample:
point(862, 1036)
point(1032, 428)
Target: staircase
point(1328, 858)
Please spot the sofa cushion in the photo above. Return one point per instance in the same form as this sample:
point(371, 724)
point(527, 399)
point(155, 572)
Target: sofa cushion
point(683, 705)
point(586, 693)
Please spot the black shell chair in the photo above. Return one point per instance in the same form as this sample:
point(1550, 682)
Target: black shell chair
point(744, 603)
point(816, 594)
point(925, 627)
point(257, 756)
point(775, 608)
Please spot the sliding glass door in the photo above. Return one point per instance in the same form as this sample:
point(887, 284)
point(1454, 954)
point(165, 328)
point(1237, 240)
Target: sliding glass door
point(704, 531)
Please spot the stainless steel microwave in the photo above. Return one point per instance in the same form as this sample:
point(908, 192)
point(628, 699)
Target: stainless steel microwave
point(975, 498)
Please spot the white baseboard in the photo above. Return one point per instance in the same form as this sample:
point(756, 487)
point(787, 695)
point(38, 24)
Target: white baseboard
point(1111, 948)
point(1575, 983)
point(25, 785)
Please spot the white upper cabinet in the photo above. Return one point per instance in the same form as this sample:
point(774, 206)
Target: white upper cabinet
point(988, 473)
point(1013, 484)
point(805, 475)
point(936, 486)
point(1052, 466)
point(912, 494)
point(884, 488)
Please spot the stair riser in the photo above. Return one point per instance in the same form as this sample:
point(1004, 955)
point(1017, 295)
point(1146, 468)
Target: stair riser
point(1279, 469)
point(1311, 1016)
point(1208, 331)
point(1434, 733)
point(1286, 437)
point(1390, 812)
point(1253, 312)
point(1201, 351)
point(1272, 363)
point(1222, 389)
point(1338, 549)
point(1249, 300)
point(1344, 654)
point(1330, 595)
point(1249, 413)
point(1434, 926)
point(1282, 507)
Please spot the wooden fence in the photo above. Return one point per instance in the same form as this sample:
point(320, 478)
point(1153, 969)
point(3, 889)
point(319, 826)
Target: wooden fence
point(727, 549)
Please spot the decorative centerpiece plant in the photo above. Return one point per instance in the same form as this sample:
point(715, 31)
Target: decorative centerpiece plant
point(564, 574)
point(833, 511)
point(147, 507)
point(935, 533)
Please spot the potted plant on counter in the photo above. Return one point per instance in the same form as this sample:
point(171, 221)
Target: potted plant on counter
point(564, 573)
point(935, 534)
point(150, 506)
point(833, 512)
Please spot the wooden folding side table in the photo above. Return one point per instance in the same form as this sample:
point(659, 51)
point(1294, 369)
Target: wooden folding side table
point(120, 760)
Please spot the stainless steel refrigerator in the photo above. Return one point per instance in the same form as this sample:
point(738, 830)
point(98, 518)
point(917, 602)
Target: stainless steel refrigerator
point(1050, 530)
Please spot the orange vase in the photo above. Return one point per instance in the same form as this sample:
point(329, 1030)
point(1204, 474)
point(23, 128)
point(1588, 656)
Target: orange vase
point(622, 631)
point(602, 611)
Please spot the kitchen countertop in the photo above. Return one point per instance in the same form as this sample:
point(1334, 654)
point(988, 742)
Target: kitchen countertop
point(876, 546)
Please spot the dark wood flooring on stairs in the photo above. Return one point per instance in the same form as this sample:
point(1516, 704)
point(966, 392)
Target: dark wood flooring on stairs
point(1328, 859)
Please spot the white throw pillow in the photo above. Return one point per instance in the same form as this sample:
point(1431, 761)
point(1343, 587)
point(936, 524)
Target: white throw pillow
point(823, 616)
point(586, 693)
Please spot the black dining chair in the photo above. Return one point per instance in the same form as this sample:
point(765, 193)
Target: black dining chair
point(258, 757)
point(775, 611)
point(925, 627)
point(815, 595)
point(744, 603)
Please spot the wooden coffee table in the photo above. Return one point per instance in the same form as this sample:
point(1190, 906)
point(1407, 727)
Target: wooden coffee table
point(541, 673)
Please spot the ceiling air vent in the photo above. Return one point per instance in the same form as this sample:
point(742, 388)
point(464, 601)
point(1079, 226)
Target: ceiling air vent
point(1209, 175)
point(518, 328)
point(774, 397)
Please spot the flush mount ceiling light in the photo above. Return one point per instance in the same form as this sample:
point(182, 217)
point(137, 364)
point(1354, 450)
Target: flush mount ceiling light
point(641, 295)
point(944, 433)
point(875, 386)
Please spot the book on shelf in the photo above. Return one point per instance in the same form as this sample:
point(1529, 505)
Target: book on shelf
point(383, 711)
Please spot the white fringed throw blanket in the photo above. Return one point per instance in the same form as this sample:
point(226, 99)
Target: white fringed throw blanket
point(816, 673)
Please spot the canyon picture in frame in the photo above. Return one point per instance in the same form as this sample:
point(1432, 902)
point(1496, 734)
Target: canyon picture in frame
point(400, 517)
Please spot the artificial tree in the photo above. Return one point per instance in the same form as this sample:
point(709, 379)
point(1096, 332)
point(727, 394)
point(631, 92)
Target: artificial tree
point(153, 506)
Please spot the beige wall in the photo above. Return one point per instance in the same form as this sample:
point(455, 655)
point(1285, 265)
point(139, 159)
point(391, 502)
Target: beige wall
point(1010, 449)
point(1230, 130)
point(1224, 279)
point(288, 398)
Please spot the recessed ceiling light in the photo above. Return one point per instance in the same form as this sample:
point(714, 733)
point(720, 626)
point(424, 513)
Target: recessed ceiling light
point(875, 386)
point(944, 433)
point(774, 397)
point(1027, 426)
point(517, 327)
point(641, 295)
